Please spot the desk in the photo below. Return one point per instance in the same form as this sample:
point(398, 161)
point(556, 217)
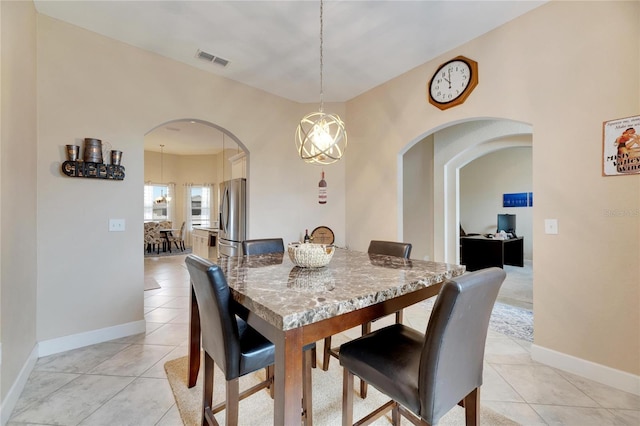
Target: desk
point(478, 252)
point(293, 306)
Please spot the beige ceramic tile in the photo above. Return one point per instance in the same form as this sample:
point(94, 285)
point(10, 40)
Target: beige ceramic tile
point(162, 315)
point(539, 384)
point(495, 388)
point(167, 334)
point(171, 418)
point(132, 361)
point(519, 412)
point(157, 370)
point(39, 386)
point(582, 416)
point(75, 401)
point(79, 360)
point(606, 396)
point(143, 402)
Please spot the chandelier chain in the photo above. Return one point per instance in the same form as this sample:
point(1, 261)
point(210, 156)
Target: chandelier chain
point(321, 59)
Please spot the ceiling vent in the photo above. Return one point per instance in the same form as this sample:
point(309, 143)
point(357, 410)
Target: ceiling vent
point(211, 58)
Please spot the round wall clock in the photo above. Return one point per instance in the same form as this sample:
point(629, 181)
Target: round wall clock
point(322, 235)
point(453, 82)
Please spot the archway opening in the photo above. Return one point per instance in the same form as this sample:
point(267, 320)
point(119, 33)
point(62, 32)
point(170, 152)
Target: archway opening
point(190, 158)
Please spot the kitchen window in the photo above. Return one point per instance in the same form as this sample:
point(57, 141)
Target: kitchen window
point(200, 205)
point(158, 202)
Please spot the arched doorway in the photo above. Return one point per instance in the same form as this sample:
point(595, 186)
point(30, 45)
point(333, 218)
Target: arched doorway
point(192, 157)
point(429, 179)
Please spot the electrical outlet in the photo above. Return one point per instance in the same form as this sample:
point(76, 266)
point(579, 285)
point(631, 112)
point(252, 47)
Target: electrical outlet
point(116, 225)
point(551, 226)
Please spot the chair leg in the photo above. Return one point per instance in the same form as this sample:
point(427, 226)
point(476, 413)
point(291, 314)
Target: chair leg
point(314, 357)
point(233, 402)
point(307, 389)
point(347, 398)
point(207, 393)
point(399, 317)
point(471, 404)
point(269, 372)
point(366, 329)
point(395, 415)
point(363, 389)
point(326, 355)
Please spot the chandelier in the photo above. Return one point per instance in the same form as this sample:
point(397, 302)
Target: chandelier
point(320, 137)
point(162, 199)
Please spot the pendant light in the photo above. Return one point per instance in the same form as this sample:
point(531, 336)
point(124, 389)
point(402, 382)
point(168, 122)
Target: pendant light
point(162, 199)
point(320, 137)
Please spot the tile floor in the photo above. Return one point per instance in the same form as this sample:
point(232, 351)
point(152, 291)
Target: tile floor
point(122, 382)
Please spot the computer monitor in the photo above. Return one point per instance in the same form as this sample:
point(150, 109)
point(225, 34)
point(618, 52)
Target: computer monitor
point(507, 223)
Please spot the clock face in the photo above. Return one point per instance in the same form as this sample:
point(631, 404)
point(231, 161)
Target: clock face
point(453, 82)
point(450, 81)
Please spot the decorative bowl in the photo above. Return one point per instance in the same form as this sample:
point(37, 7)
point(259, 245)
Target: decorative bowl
point(309, 255)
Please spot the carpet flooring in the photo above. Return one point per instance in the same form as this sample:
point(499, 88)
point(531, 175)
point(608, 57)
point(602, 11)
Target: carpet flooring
point(506, 319)
point(327, 400)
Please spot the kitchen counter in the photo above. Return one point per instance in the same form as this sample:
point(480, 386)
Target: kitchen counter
point(205, 242)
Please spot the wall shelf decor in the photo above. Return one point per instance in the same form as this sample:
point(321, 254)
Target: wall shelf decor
point(88, 169)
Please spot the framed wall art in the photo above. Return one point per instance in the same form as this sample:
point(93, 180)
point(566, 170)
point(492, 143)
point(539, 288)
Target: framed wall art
point(621, 146)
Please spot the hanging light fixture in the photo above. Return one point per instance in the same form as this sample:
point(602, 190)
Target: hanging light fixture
point(321, 138)
point(162, 199)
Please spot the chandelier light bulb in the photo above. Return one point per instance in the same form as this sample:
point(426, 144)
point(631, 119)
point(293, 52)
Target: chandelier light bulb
point(321, 138)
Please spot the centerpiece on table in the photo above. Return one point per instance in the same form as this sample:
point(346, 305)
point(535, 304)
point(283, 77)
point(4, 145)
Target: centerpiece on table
point(308, 255)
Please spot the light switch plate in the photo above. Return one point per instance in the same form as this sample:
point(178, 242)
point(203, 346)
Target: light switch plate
point(116, 225)
point(551, 226)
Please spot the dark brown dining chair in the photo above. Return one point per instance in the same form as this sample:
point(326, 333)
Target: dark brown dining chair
point(426, 375)
point(234, 346)
point(267, 246)
point(388, 248)
point(263, 246)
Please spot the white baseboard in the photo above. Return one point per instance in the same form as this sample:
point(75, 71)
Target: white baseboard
point(9, 402)
point(617, 379)
point(74, 341)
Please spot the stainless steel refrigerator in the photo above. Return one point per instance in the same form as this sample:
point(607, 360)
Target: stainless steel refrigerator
point(233, 202)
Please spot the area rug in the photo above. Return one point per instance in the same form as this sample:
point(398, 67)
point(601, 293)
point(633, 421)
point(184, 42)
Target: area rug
point(174, 252)
point(150, 283)
point(505, 319)
point(327, 400)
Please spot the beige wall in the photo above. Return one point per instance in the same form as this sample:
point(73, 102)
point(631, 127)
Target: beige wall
point(18, 190)
point(535, 70)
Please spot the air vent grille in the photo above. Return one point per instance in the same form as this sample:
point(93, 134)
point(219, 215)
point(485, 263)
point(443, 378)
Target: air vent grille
point(211, 58)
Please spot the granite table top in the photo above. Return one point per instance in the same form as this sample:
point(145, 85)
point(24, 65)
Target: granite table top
point(287, 296)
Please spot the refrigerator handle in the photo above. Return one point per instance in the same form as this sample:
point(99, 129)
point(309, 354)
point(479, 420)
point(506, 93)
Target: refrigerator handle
point(224, 210)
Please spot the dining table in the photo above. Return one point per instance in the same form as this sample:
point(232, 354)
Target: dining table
point(294, 306)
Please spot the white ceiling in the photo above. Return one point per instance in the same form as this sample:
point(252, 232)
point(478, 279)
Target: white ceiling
point(275, 45)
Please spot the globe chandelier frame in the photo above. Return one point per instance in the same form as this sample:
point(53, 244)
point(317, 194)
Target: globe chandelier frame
point(321, 138)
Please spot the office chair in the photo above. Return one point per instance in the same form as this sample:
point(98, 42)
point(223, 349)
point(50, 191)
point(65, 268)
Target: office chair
point(426, 375)
point(388, 248)
point(235, 347)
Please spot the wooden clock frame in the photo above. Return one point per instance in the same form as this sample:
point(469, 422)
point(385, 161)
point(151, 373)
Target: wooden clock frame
point(473, 82)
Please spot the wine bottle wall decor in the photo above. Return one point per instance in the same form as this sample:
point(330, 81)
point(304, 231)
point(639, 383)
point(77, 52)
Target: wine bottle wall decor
point(322, 190)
